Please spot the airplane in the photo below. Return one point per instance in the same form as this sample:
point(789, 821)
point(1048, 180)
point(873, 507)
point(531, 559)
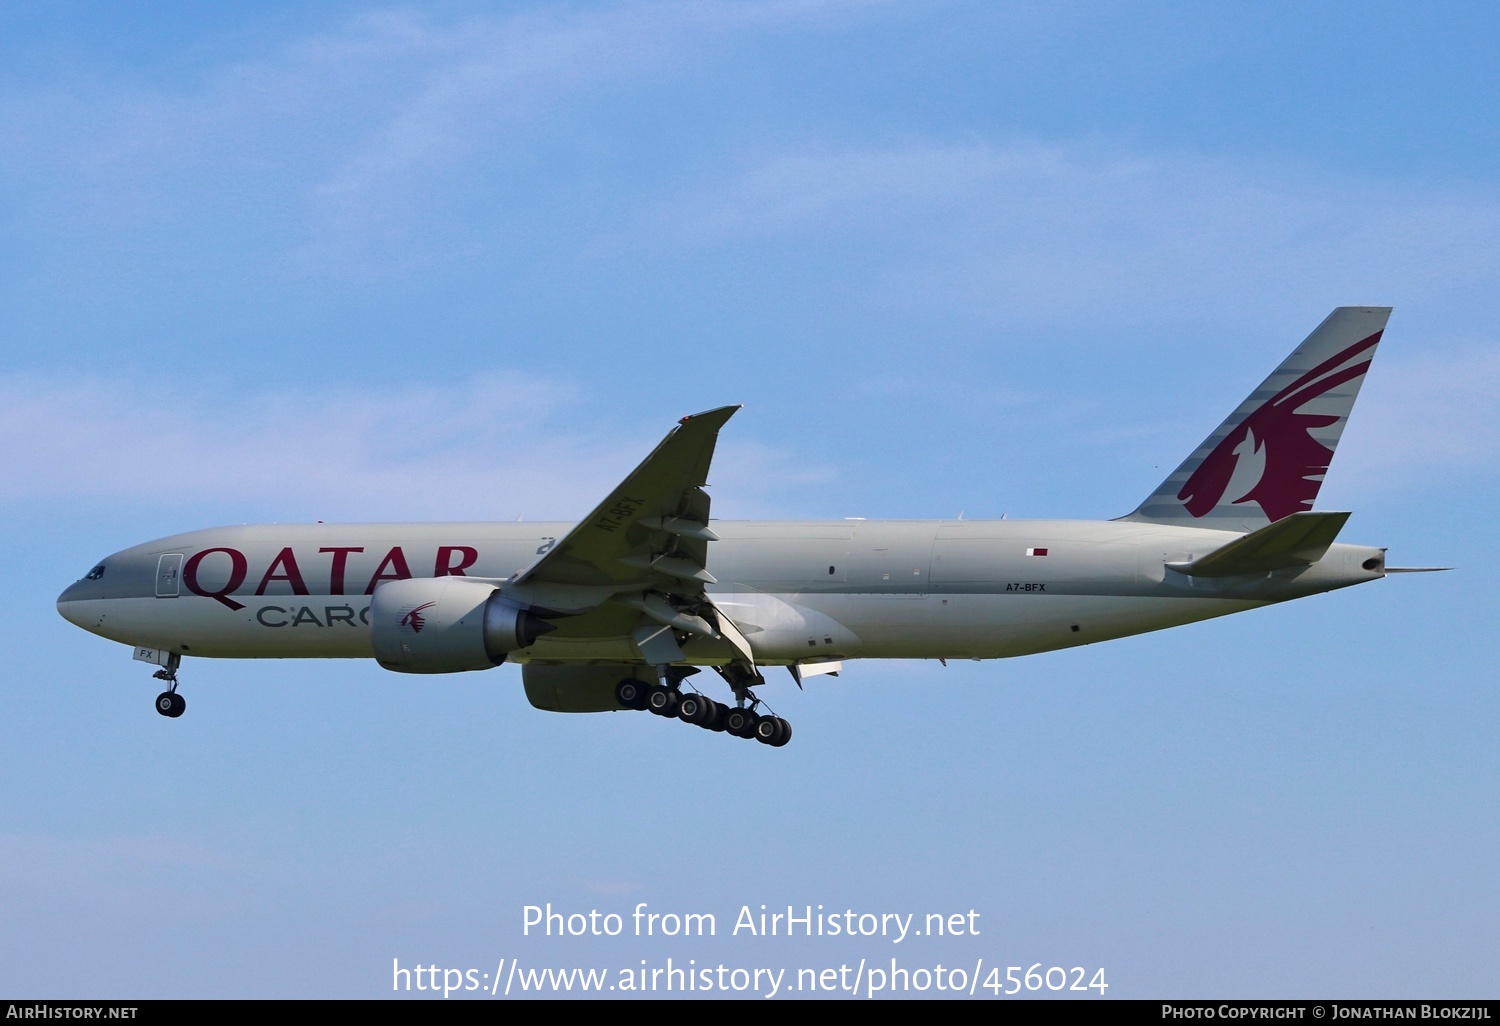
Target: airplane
point(621, 609)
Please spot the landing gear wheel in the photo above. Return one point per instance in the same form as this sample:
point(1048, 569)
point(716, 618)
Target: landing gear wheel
point(773, 731)
point(631, 693)
point(696, 709)
point(663, 700)
point(740, 722)
point(720, 716)
point(770, 730)
point(171, 704)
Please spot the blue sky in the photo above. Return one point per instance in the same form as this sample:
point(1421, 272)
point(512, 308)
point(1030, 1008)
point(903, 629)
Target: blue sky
point(460, 261)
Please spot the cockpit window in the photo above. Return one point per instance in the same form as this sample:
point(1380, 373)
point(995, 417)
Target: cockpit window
point(94, 574)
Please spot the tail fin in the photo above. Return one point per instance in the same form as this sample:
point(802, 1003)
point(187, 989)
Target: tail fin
point(1267, 460)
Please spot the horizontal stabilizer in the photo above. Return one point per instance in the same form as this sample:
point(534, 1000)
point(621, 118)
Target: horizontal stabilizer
point(1293, 541)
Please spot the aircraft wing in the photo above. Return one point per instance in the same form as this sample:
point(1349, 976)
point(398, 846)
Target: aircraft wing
point(646, 547)
point(653, 528)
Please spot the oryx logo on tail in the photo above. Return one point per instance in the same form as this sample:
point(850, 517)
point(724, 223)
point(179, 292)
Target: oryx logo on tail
point(1276, 441)
point(1268, 459)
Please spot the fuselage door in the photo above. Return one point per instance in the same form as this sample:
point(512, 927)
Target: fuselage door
point(169, 575)
point(891, 558)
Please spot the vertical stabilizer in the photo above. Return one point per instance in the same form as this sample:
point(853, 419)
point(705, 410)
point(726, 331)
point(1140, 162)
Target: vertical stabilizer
point(1267, 460)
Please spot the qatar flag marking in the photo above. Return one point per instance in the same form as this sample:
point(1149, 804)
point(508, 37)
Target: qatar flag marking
point(1036, 552)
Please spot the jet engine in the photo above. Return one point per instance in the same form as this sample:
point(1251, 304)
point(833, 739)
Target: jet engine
point(447, 624)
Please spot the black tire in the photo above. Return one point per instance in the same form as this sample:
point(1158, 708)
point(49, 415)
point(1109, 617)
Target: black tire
point(720, 716)
point(740, 722)
point(663, 701)
point(695, 709)
point(769, 729)
point(171, 704)
point(631, 694)
point(786, 734)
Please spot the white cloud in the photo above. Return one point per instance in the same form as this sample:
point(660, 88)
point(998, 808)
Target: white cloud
point(350, 153)
point(1423, 418)
point(1033, 229)
point(494, 447)
point(1011, 234)
point(385, 147)
point(491, 444)
point(363, 151)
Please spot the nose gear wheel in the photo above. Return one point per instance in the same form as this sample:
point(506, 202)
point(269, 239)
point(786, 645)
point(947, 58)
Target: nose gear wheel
point(169, 703)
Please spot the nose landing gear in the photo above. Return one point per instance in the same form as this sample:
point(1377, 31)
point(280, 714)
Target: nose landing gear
point(169, 703)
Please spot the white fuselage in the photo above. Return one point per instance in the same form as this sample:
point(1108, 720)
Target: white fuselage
point(800, 591)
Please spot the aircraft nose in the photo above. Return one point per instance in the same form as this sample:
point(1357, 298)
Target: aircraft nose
point(66, 605)
point(69, 607)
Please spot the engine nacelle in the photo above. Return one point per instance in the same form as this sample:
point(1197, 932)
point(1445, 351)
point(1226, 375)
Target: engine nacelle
point(447, 624)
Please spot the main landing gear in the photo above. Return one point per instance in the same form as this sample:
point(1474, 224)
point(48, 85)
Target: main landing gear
point(666, 698)
point(169, 702)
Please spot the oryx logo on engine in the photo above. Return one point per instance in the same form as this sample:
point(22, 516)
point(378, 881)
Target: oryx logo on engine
point(414, 620)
